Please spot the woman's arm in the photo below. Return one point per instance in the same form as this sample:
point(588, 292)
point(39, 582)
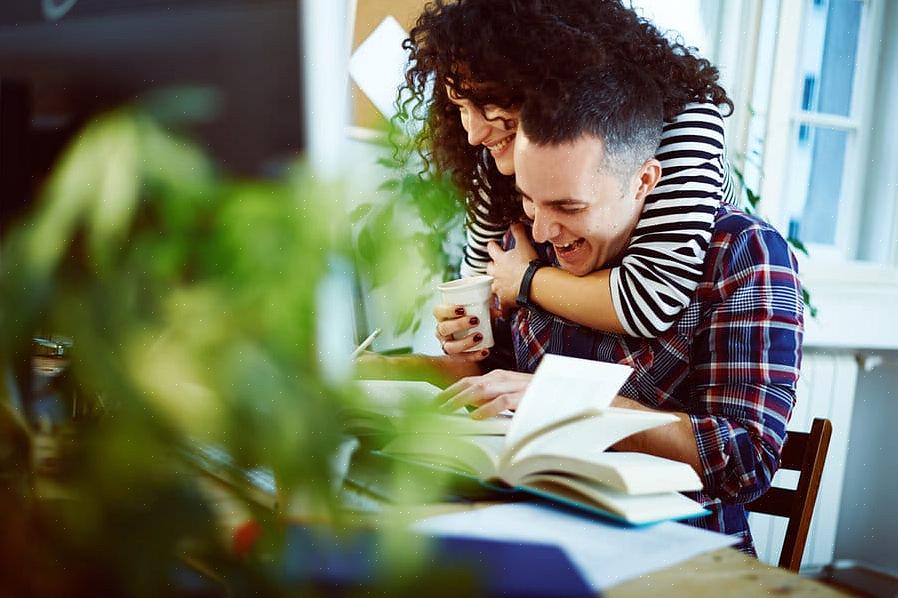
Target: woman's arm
point(585, 300)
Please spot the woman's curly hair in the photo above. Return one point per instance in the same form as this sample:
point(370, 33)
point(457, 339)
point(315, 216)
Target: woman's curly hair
point(496, 52)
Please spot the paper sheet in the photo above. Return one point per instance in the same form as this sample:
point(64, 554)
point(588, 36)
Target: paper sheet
point(604, 554)
point(378, 65)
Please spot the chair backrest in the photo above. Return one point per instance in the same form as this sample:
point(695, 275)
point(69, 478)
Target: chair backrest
point(806, 453)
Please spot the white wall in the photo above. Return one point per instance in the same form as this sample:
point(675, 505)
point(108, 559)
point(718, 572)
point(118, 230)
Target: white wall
point(868, 523)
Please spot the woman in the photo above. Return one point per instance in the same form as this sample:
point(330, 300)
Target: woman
point(485, 55)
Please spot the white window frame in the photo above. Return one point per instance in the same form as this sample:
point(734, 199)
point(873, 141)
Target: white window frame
point(855, 298)
point(782, 115)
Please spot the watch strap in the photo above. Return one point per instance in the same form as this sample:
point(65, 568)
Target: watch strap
point(523, 298)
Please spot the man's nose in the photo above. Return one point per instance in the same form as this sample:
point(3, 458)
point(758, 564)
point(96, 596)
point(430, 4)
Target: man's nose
point(544, 228)
point(478, 127)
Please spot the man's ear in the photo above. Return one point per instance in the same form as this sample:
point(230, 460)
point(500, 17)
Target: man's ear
point(648, 176)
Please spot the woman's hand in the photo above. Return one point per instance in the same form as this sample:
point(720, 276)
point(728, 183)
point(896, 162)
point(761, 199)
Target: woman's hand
point(507, 267)
point(452, 319)
point(491, 393)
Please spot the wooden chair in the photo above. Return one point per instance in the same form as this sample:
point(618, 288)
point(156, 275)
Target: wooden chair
point(806, 453)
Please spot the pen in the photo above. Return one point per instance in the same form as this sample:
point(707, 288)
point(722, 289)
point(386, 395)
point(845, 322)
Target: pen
point(365, 343)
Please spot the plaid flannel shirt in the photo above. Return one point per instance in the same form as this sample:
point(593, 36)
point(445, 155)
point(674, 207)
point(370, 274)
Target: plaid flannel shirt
point(731, 362)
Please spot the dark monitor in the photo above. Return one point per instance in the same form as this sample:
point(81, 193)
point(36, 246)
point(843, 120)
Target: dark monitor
point(63, 61)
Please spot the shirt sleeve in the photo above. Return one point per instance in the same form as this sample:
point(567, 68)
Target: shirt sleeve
point(663, 263)
point(747, 355)
point(479, 232)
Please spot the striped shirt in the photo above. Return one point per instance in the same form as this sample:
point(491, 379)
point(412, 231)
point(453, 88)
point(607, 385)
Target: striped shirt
point(730, 361)
point(662, 264)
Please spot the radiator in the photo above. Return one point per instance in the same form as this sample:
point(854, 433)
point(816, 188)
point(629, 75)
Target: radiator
point(826, 389)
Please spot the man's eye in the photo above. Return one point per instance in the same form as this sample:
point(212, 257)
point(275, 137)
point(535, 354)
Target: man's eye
point(571, 210)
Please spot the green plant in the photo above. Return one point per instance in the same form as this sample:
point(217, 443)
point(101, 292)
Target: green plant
point(423, 210)
point(193, 301)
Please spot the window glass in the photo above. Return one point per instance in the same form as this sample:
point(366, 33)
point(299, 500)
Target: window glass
point(814, 182)
point(694, 20)
point(828, 56)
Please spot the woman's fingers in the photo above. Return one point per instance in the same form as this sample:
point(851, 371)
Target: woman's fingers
point(446, 328)
point(462, 345)
point(448, 312)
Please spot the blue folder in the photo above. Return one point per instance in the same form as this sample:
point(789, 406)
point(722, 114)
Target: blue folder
point(315, 558)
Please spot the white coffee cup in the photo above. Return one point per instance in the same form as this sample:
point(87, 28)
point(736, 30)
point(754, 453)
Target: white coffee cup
point(473, 293)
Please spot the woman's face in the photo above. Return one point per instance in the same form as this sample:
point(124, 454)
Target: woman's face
point(489, 126)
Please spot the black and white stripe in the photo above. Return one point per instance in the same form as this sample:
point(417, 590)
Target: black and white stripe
point(663, 263)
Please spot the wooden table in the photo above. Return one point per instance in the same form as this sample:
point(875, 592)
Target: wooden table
point(721, 572)
point(725, 572)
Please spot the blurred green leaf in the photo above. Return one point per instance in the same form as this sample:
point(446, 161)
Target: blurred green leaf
point(797, 244)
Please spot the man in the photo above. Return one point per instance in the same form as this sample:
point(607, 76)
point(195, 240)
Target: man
point(729, 365)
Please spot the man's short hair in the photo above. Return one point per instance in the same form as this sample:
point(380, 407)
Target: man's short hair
point(619, 104)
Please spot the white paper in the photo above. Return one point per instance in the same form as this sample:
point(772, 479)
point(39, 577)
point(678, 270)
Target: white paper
point(603, 553)
point(564, 387)
point(392, 394)
point(378, 65)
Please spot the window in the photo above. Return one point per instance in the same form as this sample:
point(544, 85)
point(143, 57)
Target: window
point(813, 100)
point(693, 21)
point(826, 123)
point(814, 83)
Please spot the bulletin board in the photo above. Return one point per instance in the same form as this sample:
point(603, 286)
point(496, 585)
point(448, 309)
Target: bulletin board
point(367, 15)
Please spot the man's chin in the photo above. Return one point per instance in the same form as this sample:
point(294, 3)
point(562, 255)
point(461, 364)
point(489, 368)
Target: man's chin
point(589, 264)
point(575, 269)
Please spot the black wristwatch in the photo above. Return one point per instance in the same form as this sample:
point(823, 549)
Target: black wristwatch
point(523, 298)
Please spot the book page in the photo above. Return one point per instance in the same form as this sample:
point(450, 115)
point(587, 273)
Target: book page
point(477, 455)
point(637, 509)
point(591, 434)
point(563, 388)
point(633, 473)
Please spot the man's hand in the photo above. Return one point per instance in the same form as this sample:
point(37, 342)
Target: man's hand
point(491, 393)
point(507, 267)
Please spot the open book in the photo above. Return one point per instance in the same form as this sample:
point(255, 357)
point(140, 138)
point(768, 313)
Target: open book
point(556, 448)
point(389, 404)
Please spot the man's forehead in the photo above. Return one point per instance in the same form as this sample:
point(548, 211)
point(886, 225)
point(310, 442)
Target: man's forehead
point(551, 173)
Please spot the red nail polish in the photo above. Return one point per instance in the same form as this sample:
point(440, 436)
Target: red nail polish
point(474, 321)
point(459, 311)
point(478, 337)
point(485, 352)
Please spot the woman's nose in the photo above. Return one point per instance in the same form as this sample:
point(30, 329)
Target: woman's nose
point(478, 127)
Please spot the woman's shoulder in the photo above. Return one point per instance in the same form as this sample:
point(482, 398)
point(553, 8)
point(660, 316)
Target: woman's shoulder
point(698, 118)
point(698, 111)
point(698, 126)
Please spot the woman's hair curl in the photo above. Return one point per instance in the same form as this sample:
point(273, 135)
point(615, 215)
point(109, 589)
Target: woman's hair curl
point(496, 52)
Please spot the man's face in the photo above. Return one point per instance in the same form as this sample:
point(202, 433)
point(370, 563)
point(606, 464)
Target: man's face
point(576, 203)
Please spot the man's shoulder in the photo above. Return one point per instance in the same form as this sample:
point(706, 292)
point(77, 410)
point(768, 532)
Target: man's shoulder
point(731, 223)
point(743, 241)
point(730, 220)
